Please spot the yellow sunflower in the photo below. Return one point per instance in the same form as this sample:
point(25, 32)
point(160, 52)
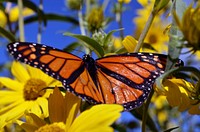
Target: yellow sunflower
point(155, 36)
point(63, 116)
point(161, 108)
point(197, 55)
point(24, 93)
point(130, 43)
point(13, 15)
point(179, 93)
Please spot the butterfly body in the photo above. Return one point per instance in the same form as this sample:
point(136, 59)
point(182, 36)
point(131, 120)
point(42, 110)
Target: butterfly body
point(89, 63)
point(124, 79)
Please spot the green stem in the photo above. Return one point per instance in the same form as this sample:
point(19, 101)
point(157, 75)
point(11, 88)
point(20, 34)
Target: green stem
point(145, 31)
point(119, 20)
point(39, 35)
point(82, 28)
point(80, 18)
point(88, 6)
point(21, 21)
point(7, 10)
point(105, 4)
point(145, 111)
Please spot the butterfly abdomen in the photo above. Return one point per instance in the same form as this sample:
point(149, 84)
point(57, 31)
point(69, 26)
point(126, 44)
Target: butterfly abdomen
point(89, 63)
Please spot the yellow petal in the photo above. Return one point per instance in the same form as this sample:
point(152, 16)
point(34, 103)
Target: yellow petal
point(8, 97)
point(98, 118)
point(117, 43)
point(28, 127)
point(143, 2)
point(19, 72)
point(176, 93)
point(35, 108)
point(129, 43)
point(124, 1)
point(11, 84)
point(3, 19)
point(72, 105)
point(11, 106)
point(43, 103)
point(14, 13)
point(37, 121)
point(13, 114)
point(195, 109)
point(160, 101)
point(56, 106)
point(37, 73)
point(27, 12)
point(162, 116)
point(173, 93)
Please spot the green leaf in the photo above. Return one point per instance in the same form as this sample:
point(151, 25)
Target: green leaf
point(160, 4)
point(175, 44)
point(52, 16)
point(2, 8)
point(71, 46)
point(121, 51)
point(91, 43)
point(108, 36)
point(171, 129)
point(34, 7)
point(148, 46)
point(7, 34)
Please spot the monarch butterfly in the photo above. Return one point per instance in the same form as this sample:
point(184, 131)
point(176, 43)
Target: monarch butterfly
point(124, 79)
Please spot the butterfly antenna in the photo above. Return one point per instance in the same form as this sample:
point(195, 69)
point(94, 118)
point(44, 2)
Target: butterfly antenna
point(62, 89)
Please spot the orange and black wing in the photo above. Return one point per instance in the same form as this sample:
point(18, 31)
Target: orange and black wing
point(65, 67)
point(54, 62)
point(124, 79)
point(127, 79)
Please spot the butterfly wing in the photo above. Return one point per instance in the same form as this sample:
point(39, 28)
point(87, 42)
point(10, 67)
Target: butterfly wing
point(54, 62)
point(127, 79)
point(65, 67)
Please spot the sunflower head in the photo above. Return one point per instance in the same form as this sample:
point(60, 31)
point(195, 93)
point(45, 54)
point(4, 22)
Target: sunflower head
point(34, 88)
point(190, 27)
point(55, 127)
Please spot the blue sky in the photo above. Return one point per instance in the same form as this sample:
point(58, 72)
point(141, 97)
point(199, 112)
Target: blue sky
point(52, 34)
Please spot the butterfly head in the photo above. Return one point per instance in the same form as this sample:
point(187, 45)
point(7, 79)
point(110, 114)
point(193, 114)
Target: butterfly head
point(179, 63)
point(89, 62)
point(88, 59)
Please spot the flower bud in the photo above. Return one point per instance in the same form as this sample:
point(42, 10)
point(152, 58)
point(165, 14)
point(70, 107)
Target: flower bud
point(74, 4)
point(95, 19)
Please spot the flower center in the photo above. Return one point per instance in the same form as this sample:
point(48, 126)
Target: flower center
point(55, 127)
point(152, 39)
point(34, 88)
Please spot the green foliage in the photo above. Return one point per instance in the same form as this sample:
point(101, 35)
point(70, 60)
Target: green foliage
point(52, 17)
point(90, 43)
point(175, 45)
point(92, 38)
point(8, 35)
point(34, 7)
